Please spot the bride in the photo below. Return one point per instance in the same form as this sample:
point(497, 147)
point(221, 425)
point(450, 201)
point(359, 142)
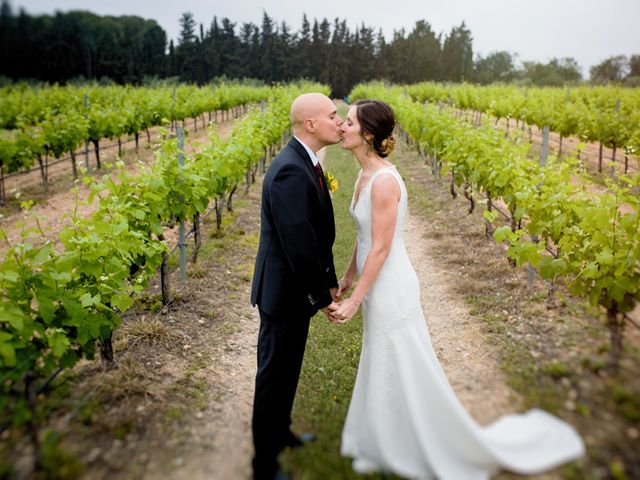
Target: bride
point(404, 417)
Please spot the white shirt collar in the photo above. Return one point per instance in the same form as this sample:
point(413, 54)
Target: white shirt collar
point(314, 158)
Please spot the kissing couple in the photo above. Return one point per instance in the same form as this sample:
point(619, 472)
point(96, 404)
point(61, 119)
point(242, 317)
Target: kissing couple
point(404, 418)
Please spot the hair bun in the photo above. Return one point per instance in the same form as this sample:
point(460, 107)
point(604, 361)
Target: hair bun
point(388, 145)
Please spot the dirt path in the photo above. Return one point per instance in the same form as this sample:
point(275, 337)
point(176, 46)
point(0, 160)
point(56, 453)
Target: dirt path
point(471, 365)
point(469, 360)
point(221, 445)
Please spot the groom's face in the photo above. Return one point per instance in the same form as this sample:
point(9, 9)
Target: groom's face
point(327, 123)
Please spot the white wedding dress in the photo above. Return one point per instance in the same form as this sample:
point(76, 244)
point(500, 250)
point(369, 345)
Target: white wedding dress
point(404, 417)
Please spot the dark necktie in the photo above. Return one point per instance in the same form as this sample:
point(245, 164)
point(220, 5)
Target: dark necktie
point(320, 175)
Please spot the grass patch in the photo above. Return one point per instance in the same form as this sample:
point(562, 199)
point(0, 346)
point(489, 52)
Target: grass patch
point(145, 330)
point(151, 302)
point(57, 462)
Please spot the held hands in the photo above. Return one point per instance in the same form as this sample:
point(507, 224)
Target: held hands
point(329, 309)
point(345, 311)
point(341, 312)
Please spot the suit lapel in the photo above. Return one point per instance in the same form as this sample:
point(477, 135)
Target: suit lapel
point(302, 152)
point(325, 198)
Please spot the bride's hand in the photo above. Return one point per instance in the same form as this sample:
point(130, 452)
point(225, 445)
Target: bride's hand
point(344, 284)
point(345, 311)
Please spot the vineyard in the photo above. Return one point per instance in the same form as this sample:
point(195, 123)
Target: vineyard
point(568, 233)
point(50, 122)
point(64, 295)
point(608, 116)
point(56, 304)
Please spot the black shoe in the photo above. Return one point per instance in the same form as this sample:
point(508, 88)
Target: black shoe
point(280, 475)
point(300, 440)
point(277, 475)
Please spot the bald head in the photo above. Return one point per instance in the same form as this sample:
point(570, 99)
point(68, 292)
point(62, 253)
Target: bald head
point(315, 121)
point(308, 106)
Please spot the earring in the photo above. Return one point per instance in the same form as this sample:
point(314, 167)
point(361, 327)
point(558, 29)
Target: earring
point(364, 142)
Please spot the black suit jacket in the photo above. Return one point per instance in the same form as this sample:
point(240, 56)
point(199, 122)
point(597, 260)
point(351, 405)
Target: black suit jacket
point(294, 266)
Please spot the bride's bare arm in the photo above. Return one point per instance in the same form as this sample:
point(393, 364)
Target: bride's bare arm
point(385, 194)
point(346, 281)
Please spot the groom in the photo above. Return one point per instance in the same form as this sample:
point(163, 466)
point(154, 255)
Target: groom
point(294, 273)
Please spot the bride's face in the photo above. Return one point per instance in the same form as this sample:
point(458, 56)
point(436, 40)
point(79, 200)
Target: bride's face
point(351, 134)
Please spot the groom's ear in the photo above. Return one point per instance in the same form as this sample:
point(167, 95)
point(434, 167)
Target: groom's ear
point(309, 125)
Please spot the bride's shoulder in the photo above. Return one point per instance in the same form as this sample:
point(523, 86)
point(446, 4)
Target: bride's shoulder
point(390, 170)
point(385, 183)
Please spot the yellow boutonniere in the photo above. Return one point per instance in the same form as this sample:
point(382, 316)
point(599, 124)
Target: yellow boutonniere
point(330, 181)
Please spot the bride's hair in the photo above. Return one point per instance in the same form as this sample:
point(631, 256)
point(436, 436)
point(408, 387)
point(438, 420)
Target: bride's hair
point(377, 119)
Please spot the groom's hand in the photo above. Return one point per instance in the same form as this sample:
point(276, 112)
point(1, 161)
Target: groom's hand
point(334, 294)
point(329, 309)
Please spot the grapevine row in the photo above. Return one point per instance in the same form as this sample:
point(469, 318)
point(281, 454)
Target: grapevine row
point(588, 240)
point(56, 120)
point(607, 115)
point(57, 305)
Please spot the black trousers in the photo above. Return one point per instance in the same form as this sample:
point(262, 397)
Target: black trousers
point(281, 344)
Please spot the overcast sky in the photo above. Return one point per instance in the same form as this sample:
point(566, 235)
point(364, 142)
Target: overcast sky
point(587, 30)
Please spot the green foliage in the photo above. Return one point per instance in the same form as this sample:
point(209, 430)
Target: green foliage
point(56, 462)
point(556, 370)
point(54, 120)
point(601, 114)
point(55, 304)
point(589, 240)
point(627, 403)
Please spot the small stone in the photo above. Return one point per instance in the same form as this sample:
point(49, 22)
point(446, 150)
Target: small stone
point(178, 462)
point(186, 347)
point(573, 394)
point(199, 414)
point(570, 405)
point(201, 322)
point(633, 433)
point(93, 455)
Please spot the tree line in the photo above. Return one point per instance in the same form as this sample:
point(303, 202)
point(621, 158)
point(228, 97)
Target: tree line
point(81, 45)
point(65, 46)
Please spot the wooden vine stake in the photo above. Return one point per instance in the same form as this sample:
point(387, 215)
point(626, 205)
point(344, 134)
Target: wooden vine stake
point(182, 245)
point(86, 143)
point(164, 276)
point(197, 237)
